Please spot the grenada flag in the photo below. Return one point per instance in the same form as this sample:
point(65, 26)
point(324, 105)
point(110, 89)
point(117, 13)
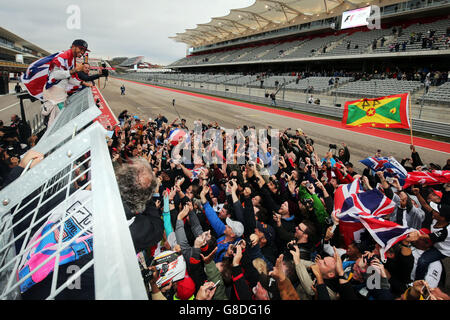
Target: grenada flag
point(384, 112)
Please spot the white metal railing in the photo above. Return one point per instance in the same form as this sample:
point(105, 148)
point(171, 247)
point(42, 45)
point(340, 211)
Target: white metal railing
point(69, 204)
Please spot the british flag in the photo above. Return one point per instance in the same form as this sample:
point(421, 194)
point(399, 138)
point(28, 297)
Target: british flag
point(372, 203)
point(177, 134)
point(349, 230)
point(430, 178)
point(386, 233)
point(343, 192)
point(38, 76)
point(365, 211)
point(35, 77)
point(389, 165)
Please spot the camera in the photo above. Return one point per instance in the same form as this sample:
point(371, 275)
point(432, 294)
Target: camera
point(368, 260)
point(333, 146)
point(307, 202)
point(291, 246)
point(147, 274)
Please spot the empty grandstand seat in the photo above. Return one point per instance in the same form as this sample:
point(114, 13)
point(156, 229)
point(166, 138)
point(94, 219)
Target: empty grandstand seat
point(378, 88)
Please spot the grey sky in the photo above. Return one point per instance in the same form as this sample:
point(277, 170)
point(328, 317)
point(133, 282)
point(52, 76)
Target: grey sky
point(114, 27)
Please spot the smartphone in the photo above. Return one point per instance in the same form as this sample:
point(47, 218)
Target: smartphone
point(215, 285)
point(308, 184)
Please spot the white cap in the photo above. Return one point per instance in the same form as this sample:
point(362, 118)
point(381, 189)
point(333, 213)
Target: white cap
point(236, 226)
point(434, 206)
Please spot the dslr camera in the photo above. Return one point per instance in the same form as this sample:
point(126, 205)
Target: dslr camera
point(333, 146)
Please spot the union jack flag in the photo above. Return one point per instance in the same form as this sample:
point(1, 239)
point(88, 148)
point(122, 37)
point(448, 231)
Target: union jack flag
point(386, 233)
point(349, 230)
point(365, 210)
point(343, 192)
point(371, 203)
point(177, 134)
point(37, 76)
point(389, 165)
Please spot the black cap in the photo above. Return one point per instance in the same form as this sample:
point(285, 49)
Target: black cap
point(81, 43)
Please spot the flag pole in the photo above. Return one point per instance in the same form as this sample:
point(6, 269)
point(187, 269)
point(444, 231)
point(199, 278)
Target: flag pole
point(410, 118)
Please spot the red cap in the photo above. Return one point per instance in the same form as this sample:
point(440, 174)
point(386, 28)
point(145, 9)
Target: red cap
point(185, 288)
point(438, 193)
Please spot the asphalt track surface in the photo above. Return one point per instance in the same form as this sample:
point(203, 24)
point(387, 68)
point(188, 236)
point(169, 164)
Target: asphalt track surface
point(147, 101)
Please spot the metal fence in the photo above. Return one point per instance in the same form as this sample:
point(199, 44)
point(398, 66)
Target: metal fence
point(63, 231)
point(419, 125)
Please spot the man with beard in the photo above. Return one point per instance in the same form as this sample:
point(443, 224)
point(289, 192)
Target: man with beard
point(137, 183)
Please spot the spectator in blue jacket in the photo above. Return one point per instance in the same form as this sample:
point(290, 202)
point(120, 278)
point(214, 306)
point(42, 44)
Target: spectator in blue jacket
point(227, 234)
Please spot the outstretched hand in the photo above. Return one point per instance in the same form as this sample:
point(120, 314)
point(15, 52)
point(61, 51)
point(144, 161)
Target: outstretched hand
point(278, 273)
point(209, 257)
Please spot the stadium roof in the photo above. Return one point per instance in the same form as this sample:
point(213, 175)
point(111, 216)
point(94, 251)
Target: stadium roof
point(18, 40)
point(266, 15)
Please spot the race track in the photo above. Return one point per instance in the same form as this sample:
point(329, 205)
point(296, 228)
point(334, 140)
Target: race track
point(147, 101)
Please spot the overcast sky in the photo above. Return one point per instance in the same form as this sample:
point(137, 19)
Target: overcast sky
point(114, 28)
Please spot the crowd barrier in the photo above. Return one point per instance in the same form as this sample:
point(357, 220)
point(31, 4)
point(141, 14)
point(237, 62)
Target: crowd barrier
point(51, 196)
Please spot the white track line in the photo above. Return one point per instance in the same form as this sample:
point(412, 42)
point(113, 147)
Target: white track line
point(10, 106)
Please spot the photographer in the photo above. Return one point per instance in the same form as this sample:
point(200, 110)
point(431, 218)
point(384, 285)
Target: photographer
point(324, 271)
point(84, 74)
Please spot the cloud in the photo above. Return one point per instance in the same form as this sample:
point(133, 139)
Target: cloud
point(115, 27)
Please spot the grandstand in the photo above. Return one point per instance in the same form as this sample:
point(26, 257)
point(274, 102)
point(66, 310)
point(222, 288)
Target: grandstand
point(440, 96)
point(16, 54)
point(377, 88)
point(280, 41)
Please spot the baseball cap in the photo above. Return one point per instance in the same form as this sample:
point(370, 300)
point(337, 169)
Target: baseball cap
point(185, 288)
point(236, 226)
point(81, 43)
point(437, 192)
point(268, 231)
point(443, 209)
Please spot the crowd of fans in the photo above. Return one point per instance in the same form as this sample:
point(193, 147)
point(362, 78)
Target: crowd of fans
point(211, 231)
point(15, 140)
point(245, 234)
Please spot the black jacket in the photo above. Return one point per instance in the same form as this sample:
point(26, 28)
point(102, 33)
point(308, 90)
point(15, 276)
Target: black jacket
point(147, 228)
point(85, 77)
